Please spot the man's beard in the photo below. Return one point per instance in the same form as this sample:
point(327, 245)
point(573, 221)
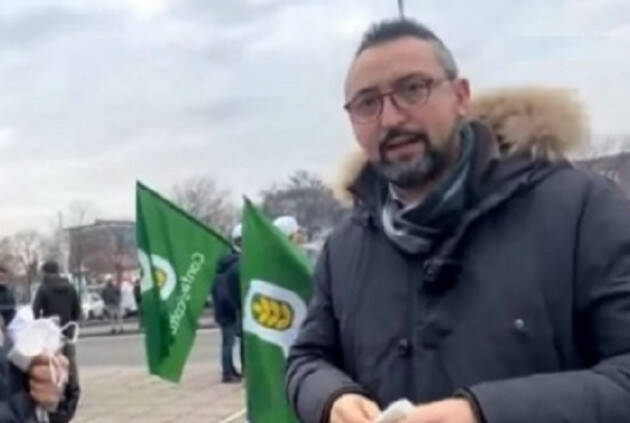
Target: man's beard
point(414, 172)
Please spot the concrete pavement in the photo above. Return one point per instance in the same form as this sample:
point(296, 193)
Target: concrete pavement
point(117, 388)
point(112, 394)
point(93, 328)
point(130, 326)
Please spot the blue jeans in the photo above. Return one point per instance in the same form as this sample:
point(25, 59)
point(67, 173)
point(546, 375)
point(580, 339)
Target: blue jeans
point(228, 338)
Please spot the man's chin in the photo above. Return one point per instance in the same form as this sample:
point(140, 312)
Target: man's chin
point(404, 159)
point(403, 175)
point(411, 173)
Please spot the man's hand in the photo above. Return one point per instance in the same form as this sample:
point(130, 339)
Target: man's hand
point(446, 411)
point(44, 389)
point(353, 408)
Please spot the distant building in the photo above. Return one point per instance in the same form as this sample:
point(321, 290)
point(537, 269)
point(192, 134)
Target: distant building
point(615, 167)
point(104, 248)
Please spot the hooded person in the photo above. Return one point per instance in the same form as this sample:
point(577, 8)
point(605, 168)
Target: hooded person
point(226, 300)
point(481, 275)
point(57, 297)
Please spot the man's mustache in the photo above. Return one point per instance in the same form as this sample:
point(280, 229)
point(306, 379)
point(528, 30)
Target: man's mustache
point(395, 135)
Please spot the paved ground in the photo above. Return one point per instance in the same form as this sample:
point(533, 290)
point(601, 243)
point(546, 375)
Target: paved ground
point(130, 326)
point(93, 328)
point(117, 387)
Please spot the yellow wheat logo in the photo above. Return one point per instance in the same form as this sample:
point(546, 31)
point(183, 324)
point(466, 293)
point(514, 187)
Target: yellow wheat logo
point(160, 277)
point(272, 313)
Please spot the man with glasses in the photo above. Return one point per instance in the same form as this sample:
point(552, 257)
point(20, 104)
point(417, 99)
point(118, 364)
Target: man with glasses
point(481, 276)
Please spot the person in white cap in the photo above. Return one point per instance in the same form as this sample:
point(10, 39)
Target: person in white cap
point(289, 226)
point(237, 236)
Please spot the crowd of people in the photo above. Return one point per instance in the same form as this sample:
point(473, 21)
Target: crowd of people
point(481, 276)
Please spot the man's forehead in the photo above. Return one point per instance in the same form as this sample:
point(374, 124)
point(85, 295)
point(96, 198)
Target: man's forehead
point(384, 63)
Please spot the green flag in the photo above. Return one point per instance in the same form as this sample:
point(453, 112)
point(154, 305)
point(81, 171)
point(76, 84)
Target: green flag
point(178, 256)
point(277, 284)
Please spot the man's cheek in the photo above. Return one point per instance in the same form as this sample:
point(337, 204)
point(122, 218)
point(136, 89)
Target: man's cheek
point(369, 147)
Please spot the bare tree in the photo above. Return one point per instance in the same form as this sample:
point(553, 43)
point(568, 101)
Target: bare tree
point(54, 246)
point(80, 212)
point(7, 256)
point(605, 146)
point(51, 248)
point(203, 199)
point(308, 199)
point(27, 248)
point(610, 157)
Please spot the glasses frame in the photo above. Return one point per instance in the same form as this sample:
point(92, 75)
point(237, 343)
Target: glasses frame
point(431, 85)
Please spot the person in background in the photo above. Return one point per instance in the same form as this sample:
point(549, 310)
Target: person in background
point(137, 295)
point(56, 297)
point(112, 297)
point(7, 297)
point(289, 226)
point(226, 299)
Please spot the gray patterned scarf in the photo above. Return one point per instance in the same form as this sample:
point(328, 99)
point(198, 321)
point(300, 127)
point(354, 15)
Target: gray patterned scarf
point(416, 228)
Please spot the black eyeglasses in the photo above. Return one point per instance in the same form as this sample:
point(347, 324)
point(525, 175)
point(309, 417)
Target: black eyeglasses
point(409, 92)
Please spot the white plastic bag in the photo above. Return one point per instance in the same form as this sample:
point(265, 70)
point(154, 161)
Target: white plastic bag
point(37, 337)
point(395, 412)
point(34, 337)
point(23, 317)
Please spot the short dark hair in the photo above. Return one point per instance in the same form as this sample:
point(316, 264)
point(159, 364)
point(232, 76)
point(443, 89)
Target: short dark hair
point(3, 269)
point(390, 30)
point(50, 267)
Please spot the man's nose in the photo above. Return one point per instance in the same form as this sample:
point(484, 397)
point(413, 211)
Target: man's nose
point(391, 115)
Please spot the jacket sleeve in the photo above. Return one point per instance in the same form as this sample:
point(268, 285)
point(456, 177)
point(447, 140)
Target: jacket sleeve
point(600, 393)
point(7, 306)
point(106, 295)
point(314, 379)
point(16, 405)
point(67, 407)
point(76, 307)
point(234, 285)
point(38, 302)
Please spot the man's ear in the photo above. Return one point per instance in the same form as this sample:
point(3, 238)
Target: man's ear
point(462, 93)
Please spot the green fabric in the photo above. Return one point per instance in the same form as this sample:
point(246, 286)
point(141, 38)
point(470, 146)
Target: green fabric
point(178, 257)
point(277, 283)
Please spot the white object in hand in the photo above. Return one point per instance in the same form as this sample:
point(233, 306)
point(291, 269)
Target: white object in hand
point(37, 337)
point(395, 412)
point(33, 337)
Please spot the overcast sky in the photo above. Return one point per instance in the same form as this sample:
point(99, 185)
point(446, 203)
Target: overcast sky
point(95, 94)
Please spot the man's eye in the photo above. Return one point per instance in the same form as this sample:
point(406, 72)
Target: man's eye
point(366, 102)
point(415, 86)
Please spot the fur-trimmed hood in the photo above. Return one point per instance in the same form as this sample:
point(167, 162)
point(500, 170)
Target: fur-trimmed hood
point(546, 123)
